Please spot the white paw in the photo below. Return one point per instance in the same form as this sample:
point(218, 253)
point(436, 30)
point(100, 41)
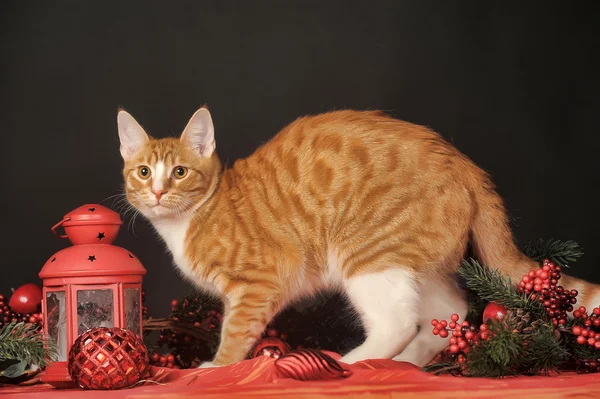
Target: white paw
point(207, 365)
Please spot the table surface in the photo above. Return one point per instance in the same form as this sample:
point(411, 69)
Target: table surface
point(258, 378)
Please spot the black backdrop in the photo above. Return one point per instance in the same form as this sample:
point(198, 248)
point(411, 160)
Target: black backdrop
point(514, 86)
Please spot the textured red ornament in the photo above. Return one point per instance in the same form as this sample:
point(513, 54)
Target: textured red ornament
point(26, 299)
point(272, 347)
point(310, 364)
point(494, 311)
point(108, 358)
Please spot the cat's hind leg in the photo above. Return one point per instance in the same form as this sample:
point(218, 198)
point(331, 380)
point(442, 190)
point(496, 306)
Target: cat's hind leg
point(439, 300)
point(387, 303)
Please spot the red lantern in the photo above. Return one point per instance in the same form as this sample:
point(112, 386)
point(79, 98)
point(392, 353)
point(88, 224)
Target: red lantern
point(90, 284)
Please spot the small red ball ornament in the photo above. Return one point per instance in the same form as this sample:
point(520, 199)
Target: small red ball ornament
point(108, 358)
point(494, 311)
point(272, 347)
point(26, 299)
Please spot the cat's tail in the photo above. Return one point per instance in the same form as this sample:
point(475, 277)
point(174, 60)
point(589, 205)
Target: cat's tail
point(494, 246)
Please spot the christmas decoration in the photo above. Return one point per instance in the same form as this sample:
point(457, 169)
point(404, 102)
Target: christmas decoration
point(494, 311)
point(108, 358)
point(270, 346)
point(8, 315)
point(26, 299)
point(23, 351)
point(310, 364)
point(534, 336)
point(90, 284)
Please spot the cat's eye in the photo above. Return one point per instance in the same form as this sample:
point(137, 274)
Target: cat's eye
point(144, 172)
point(180, 172)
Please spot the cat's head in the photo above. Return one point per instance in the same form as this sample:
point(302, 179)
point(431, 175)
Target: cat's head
point(166, 177)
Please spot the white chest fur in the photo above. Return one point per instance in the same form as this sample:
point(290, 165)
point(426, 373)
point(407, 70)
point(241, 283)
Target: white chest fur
point(173, 232)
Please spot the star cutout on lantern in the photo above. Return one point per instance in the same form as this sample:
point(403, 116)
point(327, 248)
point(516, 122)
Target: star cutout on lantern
point(91, 258)
point(91, 209)
point(100, 236)
point(131, 256)
point(53, 259)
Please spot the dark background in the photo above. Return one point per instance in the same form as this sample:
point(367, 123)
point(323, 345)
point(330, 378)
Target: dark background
point(514, 86)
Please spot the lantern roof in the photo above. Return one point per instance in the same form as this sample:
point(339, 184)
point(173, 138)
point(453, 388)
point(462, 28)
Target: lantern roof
point(92, 260)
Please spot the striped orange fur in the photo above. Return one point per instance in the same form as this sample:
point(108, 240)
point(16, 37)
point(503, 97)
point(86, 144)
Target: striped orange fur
point(360, 202)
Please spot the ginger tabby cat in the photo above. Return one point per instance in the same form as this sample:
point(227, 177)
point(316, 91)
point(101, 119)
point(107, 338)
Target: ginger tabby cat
point(377, 208)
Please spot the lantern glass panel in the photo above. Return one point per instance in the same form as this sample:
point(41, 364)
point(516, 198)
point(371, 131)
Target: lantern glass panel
point(132, 310)
point(94, 309)
point(56, 310)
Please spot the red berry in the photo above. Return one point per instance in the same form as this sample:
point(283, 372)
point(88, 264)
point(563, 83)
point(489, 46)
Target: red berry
point(597, 323)
point(444, 333)
point(577, 314)
point(155, 357)
point(454, 348)
point(483, 327)
point(173, 303)
point(163, 359)
point(454, 317)
point(597, 344)
point(461, 359)
point(436, 331)
point(33, 319)
point(528, 286)
point(271, 332)
point(591, 341)
point(537, 287)
point(576, 330)
point(453, 341)
point(170, 358)
point(596, 311)
point(544, 275)
point(462, 344)
point(581, 340)
point(452, 325)
point(434, 322)
point(469, 335)
point(582, 309)
point(196, 324)
point(484, 335)
point(444, 323)
point(465, 323)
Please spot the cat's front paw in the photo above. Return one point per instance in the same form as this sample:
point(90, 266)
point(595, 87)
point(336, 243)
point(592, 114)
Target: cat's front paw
point(207, 365)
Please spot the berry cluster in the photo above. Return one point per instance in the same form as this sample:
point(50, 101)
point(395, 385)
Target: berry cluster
point(7, 315)
point(542, 285)
point(589, 332)
point(187, 350)
point(464, 336)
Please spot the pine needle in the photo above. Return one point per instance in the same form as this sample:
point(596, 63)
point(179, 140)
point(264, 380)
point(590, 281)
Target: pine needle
point(22, 341)
point(560, 252)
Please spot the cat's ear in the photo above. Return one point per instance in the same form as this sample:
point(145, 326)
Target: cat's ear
point(131, 134)
point(199, 134)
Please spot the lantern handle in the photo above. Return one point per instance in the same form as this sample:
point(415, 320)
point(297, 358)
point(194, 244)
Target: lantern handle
point(57, 225)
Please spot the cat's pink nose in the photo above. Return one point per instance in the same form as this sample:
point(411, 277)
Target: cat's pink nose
point(159, 193)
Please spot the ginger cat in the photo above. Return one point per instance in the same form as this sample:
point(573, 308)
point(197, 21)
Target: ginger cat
point(377, 208)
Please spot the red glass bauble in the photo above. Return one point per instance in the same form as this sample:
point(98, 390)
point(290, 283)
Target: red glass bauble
point(108, 358)
point(494, 311)
point(310, 364)
point(272, 347)
point(26, 299)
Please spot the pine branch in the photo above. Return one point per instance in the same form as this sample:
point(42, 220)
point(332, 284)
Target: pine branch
point(544, 352)
point(560, 252)
point(492, 286)
point(22, 341)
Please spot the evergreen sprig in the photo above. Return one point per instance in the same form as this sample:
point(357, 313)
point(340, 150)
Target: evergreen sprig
point(24, 342)
point(560, 252)
point(493, 286)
